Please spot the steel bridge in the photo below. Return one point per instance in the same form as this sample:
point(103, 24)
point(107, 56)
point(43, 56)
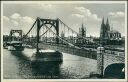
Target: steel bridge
point(56, 35)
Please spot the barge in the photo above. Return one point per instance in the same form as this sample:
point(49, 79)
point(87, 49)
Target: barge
point(47, 55)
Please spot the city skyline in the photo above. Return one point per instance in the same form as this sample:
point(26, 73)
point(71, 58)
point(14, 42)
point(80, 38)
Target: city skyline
point(72, 14)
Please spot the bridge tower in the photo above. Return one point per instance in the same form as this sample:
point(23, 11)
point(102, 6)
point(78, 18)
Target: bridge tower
point(44, 22)
point(15, 31)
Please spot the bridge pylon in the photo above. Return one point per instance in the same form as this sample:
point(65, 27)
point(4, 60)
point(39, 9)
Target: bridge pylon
point(43, 22)
point(15, 31)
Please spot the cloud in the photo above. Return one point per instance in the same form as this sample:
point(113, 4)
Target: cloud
point(111, 13)
point(117, 17)
point(83, 12)
point(81, 9)
point(90, 20)
point(47, 7)
point(15, 23)
point(15, 16)
point(116, 14)
point(117, 21)
point(5, 18)
point(94, 17)
point(18, 22)
point(18, 18)
point(70, 14)
point(78, 15)
point(6, 24)
point(27, 19)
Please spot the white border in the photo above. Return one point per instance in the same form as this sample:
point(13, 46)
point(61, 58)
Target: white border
point(62, 2)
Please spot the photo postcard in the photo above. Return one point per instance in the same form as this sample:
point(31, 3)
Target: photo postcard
point(63, 41)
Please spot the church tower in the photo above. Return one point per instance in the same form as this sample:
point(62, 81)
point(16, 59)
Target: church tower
point(102, 30)
point(82, 31)
point(107, 25)
point(107, 29)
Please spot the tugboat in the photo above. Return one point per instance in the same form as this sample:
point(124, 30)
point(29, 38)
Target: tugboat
point(15, 46)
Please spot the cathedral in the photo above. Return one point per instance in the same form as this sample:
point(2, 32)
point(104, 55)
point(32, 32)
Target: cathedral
point(105, 28)
point(107, 35)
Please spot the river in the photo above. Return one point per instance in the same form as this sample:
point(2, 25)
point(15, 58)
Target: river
point(15, 66)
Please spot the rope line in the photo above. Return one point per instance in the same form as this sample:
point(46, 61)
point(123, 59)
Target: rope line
point(31, 28)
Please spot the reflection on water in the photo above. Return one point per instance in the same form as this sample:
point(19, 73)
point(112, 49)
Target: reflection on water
point(52, 70)
point(16, 66)
point(32, 70)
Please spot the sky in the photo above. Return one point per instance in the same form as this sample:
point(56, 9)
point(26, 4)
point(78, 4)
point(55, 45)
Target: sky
point(22, 15)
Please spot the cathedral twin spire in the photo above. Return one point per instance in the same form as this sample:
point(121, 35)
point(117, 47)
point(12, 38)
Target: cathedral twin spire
point(106, 25)
point(105, 28)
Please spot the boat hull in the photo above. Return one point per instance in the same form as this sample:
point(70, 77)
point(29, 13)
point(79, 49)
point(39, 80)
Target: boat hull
point(47, 56)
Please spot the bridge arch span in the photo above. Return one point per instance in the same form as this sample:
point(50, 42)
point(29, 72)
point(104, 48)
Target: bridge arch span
point(115, 70)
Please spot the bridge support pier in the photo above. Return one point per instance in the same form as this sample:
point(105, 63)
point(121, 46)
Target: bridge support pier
point(100, 61)
point(37, 38)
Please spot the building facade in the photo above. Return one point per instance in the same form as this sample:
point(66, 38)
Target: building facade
point(114, 35)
